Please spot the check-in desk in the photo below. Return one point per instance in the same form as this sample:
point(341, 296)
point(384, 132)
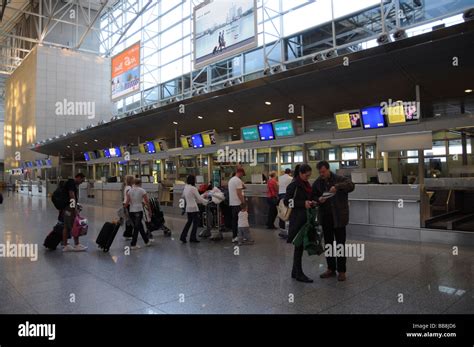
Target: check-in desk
point(256, 196)
point(33, 188)
point(388, 211)
point(108, 194)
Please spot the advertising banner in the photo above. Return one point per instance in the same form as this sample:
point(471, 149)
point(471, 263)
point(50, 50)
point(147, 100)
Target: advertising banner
point(223, 28)
point(126, 72)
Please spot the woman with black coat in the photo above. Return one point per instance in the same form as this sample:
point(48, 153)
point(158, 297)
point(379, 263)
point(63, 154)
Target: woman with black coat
point(299, 198)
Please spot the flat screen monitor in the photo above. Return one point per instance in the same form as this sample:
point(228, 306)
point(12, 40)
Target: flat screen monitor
point(141, 148)
point(373, 118)
point(284, 129)
point(115, 152)
point(159, 146)
point(265, 132)
point(197, 141)
point(150, 147)
point(49, 162)
point(39, 163)
point(100, 153)
point(87, 156)
point(348, 120)
point(29, 164)
point(250, 134)
point(107, 153)
point(395, 113)
point(412, 112)
point(92, 155)
point(209, 139)
point(186, 142)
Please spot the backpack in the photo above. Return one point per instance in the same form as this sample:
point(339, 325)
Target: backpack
point(60, 196)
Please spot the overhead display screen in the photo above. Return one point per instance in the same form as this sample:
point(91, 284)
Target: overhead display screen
point(373, 118)
point(284, 129)
point(87, 156)
point(126, 72)
point(348, 120)
point(115, 152)
point(265, 132)
point(396, 114)
point(107, 153)
point(209, 139)
point(186, 142)
point(150, 147)
point(250, 134)
point(223, 28)
point(197, 141)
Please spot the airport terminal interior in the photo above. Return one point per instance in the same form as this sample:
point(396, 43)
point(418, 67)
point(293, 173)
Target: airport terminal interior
point(182, 107)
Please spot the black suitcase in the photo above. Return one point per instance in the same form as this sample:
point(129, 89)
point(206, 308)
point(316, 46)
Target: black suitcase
point(55, 237)
point(107, 235)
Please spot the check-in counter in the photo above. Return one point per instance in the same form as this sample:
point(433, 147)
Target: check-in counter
point(109, 194)
point(256, 196)
point(33, 188)
point(385, 210)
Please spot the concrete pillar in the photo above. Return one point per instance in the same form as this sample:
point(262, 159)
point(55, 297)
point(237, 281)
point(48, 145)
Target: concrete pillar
point(385, 161)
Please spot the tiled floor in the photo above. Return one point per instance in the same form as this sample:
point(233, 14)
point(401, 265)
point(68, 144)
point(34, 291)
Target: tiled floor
point(209, 278)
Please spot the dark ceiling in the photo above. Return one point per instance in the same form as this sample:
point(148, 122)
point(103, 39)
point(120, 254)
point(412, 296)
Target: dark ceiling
point(374, 75)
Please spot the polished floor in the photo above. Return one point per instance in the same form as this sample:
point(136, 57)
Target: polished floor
point(208, 277)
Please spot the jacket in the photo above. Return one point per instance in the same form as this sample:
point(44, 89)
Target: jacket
point(297, 192)
point(192, 198)
point(338, 205)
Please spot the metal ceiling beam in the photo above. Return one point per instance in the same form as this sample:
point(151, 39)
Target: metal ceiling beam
point(91, 24)
point(2, 12)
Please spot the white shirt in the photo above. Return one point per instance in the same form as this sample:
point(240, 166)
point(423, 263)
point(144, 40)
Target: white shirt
point(136, 195)
point(125, 191)
point(234, 184)
point(283, 182)
point(243, 221)
point(192, 197)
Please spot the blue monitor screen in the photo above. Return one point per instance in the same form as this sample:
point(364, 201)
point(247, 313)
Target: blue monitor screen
point(150, 147)
point(115, 152)
point(49, 162)
point(266, 132)
point(197, 141)
point(39, 163)
point(107, 153)
point(373, 118)
point(87, 156)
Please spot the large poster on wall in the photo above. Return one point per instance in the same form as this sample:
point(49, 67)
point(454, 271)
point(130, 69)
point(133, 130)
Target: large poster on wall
point(126, 72)
point(223, 28)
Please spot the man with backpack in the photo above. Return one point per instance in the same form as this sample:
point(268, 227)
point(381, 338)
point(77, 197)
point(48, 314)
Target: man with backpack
point(65, 199)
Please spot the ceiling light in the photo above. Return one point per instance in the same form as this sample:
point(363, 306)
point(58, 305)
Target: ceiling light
point(231, 128)
point(268, 103)
point(96, 140)
point(300, 117)
point(175, 123)
point(468, 91)
point(231, 111)
point(68, 146)
point(200, 117)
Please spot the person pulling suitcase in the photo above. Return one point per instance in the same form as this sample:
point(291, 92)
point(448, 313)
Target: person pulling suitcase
point(135, 198)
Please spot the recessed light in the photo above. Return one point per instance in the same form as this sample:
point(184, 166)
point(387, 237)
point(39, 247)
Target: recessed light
point(175, 123)
point(231, 111)
point(68, 146)
point(200, 117)
point(468, 90)
point(329, 123)
point(96, 140)
point(76, 145)
point(268, 103)
point(300, 117)
point(311, 130)
point(85, 143)
point(231, 128)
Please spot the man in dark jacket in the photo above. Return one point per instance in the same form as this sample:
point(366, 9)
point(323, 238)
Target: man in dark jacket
point(333, 214)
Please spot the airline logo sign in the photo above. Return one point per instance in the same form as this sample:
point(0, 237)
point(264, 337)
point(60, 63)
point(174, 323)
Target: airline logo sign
point(126, 72)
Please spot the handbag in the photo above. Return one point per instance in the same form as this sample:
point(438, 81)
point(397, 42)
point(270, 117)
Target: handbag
point(284, 212)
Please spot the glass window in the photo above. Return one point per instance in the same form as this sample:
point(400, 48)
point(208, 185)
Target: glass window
point(350, 153)
point(455, 147)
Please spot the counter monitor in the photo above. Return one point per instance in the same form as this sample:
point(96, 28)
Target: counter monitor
point(150, 147)
point(141, 148)
point(197, 141)
point(348, 120)
point(107, 153)
point(395, 113)
point(265, 132)
point(284, 129)
point(186, 142)
point(373, 118)
point(209, 139)
point(250, 133)
point(87, 156)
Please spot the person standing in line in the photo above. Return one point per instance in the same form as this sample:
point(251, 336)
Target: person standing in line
point(244, 226)
point(68, 214)
point(192, 198)
point(136, 196)
point(128, 183)
point(298, 197)
point(333, 214)
point(283, 182)
point(236, 198)
point(272, 200)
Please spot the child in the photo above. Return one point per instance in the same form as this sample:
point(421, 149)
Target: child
point(243, 227)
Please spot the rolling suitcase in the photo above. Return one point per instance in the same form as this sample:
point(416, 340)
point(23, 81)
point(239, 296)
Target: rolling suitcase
point(107, 235)
point(55, 237)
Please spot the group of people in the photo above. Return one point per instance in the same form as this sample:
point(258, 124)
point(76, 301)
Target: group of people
point(329, 193)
